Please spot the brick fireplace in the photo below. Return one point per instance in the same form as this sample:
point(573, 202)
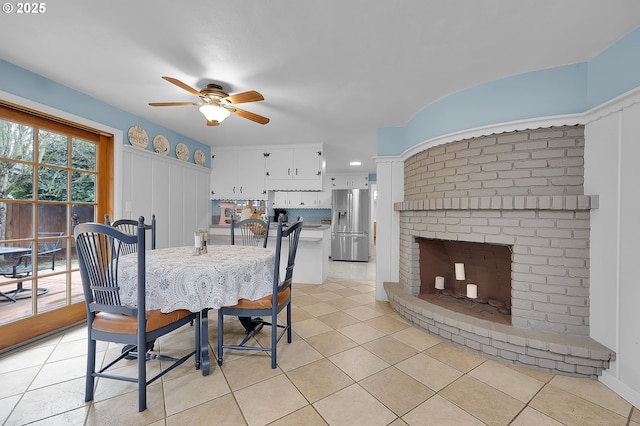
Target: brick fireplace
point(522, 190)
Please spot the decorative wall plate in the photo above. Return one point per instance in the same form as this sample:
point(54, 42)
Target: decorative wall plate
point(198, 157)
point(161, 145)
point(182, 151)
point(138, 137)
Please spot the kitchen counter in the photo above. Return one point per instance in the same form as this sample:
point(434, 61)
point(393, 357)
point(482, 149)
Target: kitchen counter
point(314, 249)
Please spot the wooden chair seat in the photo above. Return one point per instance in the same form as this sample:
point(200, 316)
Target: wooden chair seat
point(112, 322)
point(263, 303)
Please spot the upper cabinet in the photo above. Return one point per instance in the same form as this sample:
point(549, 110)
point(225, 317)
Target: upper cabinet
point(349, 181)
point(294, 168)
point(238, 174)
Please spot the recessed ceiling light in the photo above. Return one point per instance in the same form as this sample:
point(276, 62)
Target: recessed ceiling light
point(355, 163)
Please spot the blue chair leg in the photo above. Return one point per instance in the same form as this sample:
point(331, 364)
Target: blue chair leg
point(91, 368)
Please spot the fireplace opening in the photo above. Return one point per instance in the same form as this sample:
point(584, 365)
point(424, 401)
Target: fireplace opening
point(467, 277)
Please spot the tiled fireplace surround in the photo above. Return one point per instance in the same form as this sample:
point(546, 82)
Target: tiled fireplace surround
point(523, 189)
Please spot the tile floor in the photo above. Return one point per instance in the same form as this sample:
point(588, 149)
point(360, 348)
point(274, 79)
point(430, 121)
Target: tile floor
point(353, 361)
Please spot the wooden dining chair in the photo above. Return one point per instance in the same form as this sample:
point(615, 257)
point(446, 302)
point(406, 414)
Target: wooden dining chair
point(130, 227)
point(99, 248)
point(270, 305)
point(250, 232)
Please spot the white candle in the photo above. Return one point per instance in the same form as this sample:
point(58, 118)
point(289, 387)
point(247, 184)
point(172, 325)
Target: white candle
point(460, 276)
point(472, 291)
point(198, 240)
point(440, 283)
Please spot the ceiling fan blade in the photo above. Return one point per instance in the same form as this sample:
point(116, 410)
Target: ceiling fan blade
point(213, 123)
point(182, 86)
point(172, 103)
point(251, 116)
point(240, 98)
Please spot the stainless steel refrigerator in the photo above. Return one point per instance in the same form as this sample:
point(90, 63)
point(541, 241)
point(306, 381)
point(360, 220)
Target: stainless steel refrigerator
point(350, 224)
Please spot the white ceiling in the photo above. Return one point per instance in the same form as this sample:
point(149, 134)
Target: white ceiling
point(331, 71)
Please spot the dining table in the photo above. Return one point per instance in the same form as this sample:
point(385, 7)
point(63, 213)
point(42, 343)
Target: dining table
point(178, 278)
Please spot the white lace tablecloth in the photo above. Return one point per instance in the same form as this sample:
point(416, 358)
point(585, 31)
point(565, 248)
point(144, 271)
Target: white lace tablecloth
point(176, 279)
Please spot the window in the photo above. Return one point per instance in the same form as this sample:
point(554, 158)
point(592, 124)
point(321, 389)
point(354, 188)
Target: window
point(51, 173)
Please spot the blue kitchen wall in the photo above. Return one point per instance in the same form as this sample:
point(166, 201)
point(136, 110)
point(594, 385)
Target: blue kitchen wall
point(556, 91)
point(28, 85)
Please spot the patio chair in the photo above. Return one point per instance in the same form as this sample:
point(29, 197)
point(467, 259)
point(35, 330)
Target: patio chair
point(23, 266)
point(268, 306)
point(99, 248)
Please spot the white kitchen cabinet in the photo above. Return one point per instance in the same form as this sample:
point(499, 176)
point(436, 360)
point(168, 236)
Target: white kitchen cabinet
point(349, 181)
point(295, 168)
point(302, 199)
point(238, 175)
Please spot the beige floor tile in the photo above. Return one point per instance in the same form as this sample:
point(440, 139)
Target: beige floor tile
point(390, 349)
point(430, 372)
point(123, 409)
point(358, 363)
point(361, 333)
point(304, 300)
point(321, 366)
point(298, 314)
point(6, 406)
point(386, 324)
point(346, 292)
point(310, 327)
point(331, 342)
point(40, 403)
point(437, 411)
point(68, 418)
point(344, 303)
point(269, 400)
point(220, 411)
point(59, 371)
point(331, 285)
point(384, 307)
point(363, 313)
point(353, 406)
point(419, 339)
point(595, 392)
point(295, 354)
point(327, 295)
point(396, 390)
point(529, 417)
point(338, 319)
point(458, 358)
point(541, 376)
point(30, 357)
point(307, 416)
point(247, 371)
point(482, 401)
point(16, 382)
point(318, 309)
point(319, 379)
point(507, 380)
point(363, 298)
point(193, 389)
point(570, 409)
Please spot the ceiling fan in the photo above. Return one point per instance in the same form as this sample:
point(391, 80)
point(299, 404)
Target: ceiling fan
point(216, 104)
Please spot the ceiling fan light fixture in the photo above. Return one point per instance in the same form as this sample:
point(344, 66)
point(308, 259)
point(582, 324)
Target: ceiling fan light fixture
point(214, 113)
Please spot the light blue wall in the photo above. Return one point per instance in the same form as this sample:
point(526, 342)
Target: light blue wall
point(28, 85)
point(555, 91)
